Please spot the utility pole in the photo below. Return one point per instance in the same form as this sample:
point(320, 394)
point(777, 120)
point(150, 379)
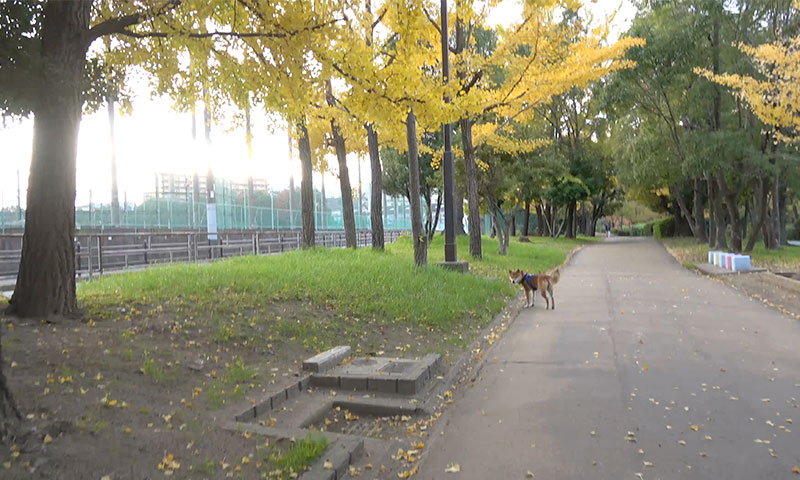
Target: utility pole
point(450, 250)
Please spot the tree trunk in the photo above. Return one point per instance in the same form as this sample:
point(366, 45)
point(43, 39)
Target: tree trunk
point(8, 406)
point(114, 188)
point(420, 240)
point(720, 241)
point(712, 222)
point(348, 215)
point(731, 201)
point(459, 214)
point(513, 224)
point(306, 187)
point(570, 219)
point(46, 280)
point(678, 196)
point(501, 226)
point(541, 221)
point(776, 209)
point(782, 216)
point(471, 170)
point(436, 216)
point(507, 237)
point(526, 221)
point(699, 211)
point(376, 207)
point(761, 205)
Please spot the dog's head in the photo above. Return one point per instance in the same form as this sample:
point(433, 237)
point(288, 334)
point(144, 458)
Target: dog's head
point(516, 276)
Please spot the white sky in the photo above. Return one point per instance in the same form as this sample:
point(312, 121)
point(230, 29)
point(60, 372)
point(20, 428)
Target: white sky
point(156, 139)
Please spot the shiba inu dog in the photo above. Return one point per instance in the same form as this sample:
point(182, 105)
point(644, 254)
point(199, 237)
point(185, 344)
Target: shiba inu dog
point(530, 283)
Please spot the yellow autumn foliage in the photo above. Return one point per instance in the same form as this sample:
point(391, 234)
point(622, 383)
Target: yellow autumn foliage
point(774, 99)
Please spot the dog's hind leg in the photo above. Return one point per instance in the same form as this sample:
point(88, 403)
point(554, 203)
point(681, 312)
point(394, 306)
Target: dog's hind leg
point(552, 298)
point(528, 296)
point(544, 295)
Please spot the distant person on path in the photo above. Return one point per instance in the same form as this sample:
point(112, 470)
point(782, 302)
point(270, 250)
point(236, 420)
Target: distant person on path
point(608, 229)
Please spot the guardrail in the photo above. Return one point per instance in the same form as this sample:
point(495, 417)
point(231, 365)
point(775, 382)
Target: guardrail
point(96, 254)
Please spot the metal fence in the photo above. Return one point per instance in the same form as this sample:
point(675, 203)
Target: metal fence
point(178, 214)
point(98, 254)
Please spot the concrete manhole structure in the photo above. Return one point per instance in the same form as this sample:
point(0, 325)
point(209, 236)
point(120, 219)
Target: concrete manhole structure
point(349, 400)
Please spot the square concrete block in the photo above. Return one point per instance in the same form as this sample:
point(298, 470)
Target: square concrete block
point(433, 361)
point(327, 359)
point(324, 381)
point(711, 254)
point(741, 263)
point(352, 383)
point(411, 385)
point(728, 262)
point(383, 385)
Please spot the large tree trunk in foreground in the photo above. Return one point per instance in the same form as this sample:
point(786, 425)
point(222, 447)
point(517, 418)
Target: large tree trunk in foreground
point(376, 207)
point(9, 413)
point(420, 239)
point(473, 200)
point(348, 216)
point(46, 279)
point(306, 187)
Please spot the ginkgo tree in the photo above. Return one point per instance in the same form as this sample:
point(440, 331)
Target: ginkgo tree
point(773, 97)
point(550, 51)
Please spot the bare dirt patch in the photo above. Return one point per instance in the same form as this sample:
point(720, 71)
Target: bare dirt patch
point(137, 392)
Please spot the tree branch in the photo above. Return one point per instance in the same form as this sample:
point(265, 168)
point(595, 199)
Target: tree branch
point(120, 24)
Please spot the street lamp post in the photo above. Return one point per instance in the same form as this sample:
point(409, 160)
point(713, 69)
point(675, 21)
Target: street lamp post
point(450, 250)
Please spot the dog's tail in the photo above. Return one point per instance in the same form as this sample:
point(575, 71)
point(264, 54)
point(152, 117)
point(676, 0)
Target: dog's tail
point(555, 277)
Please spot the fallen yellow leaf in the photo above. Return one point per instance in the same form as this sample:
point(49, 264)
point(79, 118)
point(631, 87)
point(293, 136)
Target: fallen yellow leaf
point(694, 427)
point(454, 468)
point(245, 460)
point(327, 465)
point(48, 439)
point(645, 368)
point(796, 470)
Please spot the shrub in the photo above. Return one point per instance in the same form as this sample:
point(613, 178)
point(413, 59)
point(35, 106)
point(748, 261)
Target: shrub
point(664, 228)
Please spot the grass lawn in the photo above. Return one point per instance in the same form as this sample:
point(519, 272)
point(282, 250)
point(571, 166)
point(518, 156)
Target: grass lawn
point(162, 351)
point(689, 253)
point(346, 288)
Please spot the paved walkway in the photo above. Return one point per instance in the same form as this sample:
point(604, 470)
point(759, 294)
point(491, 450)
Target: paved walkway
point(643, 368)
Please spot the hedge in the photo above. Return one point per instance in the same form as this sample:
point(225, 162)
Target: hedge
point(664, 228)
